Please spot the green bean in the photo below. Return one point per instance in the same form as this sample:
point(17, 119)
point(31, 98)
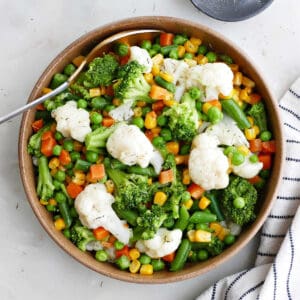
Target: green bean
point(128, 215)
point(236, 113)
point(165, 84)
point(183, 219)
point(202, 217)
point(181, 255)
point(149, 171)
point(167, 49)
point(65, 213)
point(82, 165)
point(214, 206)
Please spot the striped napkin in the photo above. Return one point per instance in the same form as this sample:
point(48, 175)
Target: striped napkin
point(277, 267)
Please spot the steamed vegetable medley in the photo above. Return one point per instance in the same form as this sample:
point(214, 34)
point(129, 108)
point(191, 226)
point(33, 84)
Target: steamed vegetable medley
point(155, 156)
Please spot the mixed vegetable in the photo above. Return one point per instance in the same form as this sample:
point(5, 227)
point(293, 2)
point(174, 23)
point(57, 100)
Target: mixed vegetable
point(155, 157)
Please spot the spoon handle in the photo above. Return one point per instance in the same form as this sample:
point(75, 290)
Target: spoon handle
point(29, 105)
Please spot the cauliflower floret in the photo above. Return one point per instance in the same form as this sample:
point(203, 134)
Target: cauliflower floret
point(208, 165)
point(163, 243)
point(72, 121)
point(157, 161)
point(247, 169)
point(123, 112)
point(142, 57)
point(129, 145)
point(177, 68)
point(228, 133)
point(93, 205)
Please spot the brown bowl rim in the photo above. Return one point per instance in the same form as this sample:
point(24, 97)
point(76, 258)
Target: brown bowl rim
point(157, 22)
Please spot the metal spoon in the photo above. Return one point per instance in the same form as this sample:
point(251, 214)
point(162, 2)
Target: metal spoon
point(102, 47)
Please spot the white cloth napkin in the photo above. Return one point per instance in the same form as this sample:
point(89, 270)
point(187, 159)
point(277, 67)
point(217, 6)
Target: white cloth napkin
point(276, 274)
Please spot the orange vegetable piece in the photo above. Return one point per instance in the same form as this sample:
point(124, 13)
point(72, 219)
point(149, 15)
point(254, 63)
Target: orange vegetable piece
point(254, 180)
point(40, 107)
point(108, 121)
point(158, 105)
point(268, 147)
point(169, 258)
point(97, 172)
point(266, 159)
point(123, 251)
point(64, 157)
point(254, 98)
point(255, 145)
point(166, 176)
point(100, 233)
point(166, 39)
point(37, 125)
point(74, 189)
point(216, 103)
point(195, 190)
point(159, 93)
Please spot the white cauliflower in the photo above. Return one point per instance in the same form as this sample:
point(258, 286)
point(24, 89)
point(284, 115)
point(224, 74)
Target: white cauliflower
point(208, 166)
point(123, 112)
point(72, 121)
point(157, 161)
point(228, 133)
point(247, 169)
point(129, 145)
point(142, 57)
point(163, 243)
point(93, 205)
point(177, 68)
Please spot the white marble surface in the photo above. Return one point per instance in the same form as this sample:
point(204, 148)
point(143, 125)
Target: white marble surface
point(32, 32)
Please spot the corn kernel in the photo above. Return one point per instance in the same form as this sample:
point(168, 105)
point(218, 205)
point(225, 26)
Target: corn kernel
point(116, 102)
point(200, 122)
point(181, 51)
point(244, 96)
point(216, 227)
point(53, 163)
point(46, 91)
point(256, 129)
point(109, 184)
point(172, 147)
point(53, 171)
point(155, 70)
point(195, 41)
point(146, 269)
point(236, 94)
point(190, 47)
point(202, 236)
point(247, 82)
point(244, 150)
point(158, 59)
point(181, 159)
point(166, 76)
point(222, 234)
point(156, 130)
point(102, 90)
point(88, 178)
point(52, 202)
point(149, 78)
point(59, 224)
point(44, 202)
point(160, 198)
point(248, 90)
point(234, 67)
point(134, 253)
point(141, 103)
point(186, 179)
point(250, 134)
point(78, 60)
point(206, 106)
point(79, 178)
point(250, 119)
point(229, 96)
point(169, 103)
point(134, 266)
point(188, 204)
point(191, 235)
point(149, 181)
point(237, 78)
point(137, 111)
point(95, 92)
point(190, 62)
point(204, 202)
point(203, 60)
point(150, 120)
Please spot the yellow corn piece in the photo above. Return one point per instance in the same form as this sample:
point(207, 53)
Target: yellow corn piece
point(204, 202)
point(244, 96)
point(166, 76)
point(150, 120)
point(206, 106)
point(191, 235)
point(250, 133)
point(181, 159)
point(79, 177)
point(78, 60)
point(216, 227)
point(190, 62)
point(203, 60)
point(195, 41)
point(222, 234)
point(149, 78)
point(160, 198)
point(186, 178)
point(221, 96)
point(173, 147)
point(156, 130)
point(181, 51)
point(100, 159)
point(202, 236)
point(53, 171)
point(250, 119)
point(52, 201)
point(116, 102)
point(88, 178)
point(149, 181)
point(134, 253)
point(256, 129)
point(109, 184)
point(46, 91)
point(146, 269)
point(243, 149)
point(248, 90)
point(237, 78)
point(95, 92)
point(137, 111)
point(155, 70)
point(53, 163)
point(234, 67)
point(190, 47)
point(158, 59)
point(168, 102)
point(44, 202)
point(247, 82)
point(134, 266)
point(59, 224)
point(141, 104)
point(188, 204)
point(235, 94)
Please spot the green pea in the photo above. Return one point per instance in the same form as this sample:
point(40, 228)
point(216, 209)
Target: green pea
point(91, 156)
point(229, 239)
point(152, 52)
point(69, 69)
point(67, 233)
point(214, 115)
point(211, 56)
point(179, 39)
point(174, 54)
point(166, 134)
point(51, 208)
point(99, 102)
point(146, 44)
point(158, 142)
point(121, 49)
point(156, 47)
point(118, 245)
point(185, 149)
point(188, 55)
point(101, 255)
point(266, 136)
point(161, 120)
point(202, 49)
point(145, 110)
point(265, 174)
point(60, 197)
point(195, 93)
point(56, 150)
point(202, 255)
point(239, 202)
point(193, 257)
point(145, 259)
point(57, 184)
point(253, 158)
point(237, 158)
point(123, 262)
point(81, 103)
point(74, 155)
point(60, 176)
point(96, 118)
point(199, 106)
point(138, 121)
point(109, 107)
point(157, 264)
point(58, 136)
point(228, 151)
point(49, 105)
point(57, 80)
point(68, 145)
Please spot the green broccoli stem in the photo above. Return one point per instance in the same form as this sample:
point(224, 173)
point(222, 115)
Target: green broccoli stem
point(45, 187)
point(149, 171)
point(128, 215)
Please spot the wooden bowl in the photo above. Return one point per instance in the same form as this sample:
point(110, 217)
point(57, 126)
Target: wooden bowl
point(82, 46)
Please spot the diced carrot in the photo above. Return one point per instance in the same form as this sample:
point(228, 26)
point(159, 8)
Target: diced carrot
point(216, 103)
point(255, 145)
point(269, 147)
point(166, 176)
point(254, 98)
point(266, 159)
point(64, 157)
point(166, 39)
point(172, 147)
point(124, 60)
point(78, 60)
point(158, 105)
point(254, 180)
point(150, 135)
point(40, 107)
point(100, 233)
point(109, 91)
point(123, 251)
point(47, 146)
point(108, 121)
point(159, 93)
point(195, 190)
point(97, 172)
point(37, 125)
point(47, 135)
point(112, 239)
point(74, 189)
point(169, 258)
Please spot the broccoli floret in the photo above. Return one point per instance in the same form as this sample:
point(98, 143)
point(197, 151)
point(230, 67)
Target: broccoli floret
point(183, 119)
point(131, 84)
point(215, 246)
point(150, 221)
point(45, 187)
point(59, 100)
point(34, 144)
point(239, 188)
point(81, 236)
point(101, 71)
point(80, 90)
point(258, 113)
